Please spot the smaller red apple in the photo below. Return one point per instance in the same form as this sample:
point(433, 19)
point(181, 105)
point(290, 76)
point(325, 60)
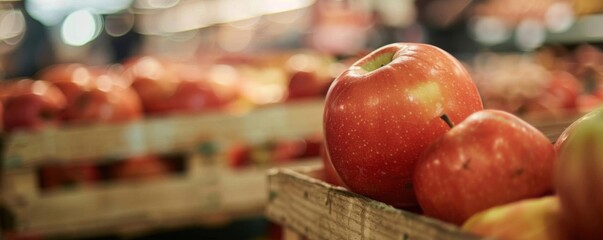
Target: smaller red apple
point(489, 159)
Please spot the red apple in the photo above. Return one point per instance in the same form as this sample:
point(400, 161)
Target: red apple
point(107, 102)
point(304, 84)
point(314, 146)
point(163, 90)
point(588, 102)
point(239, 156)
point(188, 97)
point(152, 80)
point(383, 111)
point(489, 159)
point(579, 175)
point(71, 79)
point(532, 219)
point(561, 94)
point(32, 105)
point(140, 168)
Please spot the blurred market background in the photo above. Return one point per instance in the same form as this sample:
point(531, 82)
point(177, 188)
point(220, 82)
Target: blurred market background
point(122, 61)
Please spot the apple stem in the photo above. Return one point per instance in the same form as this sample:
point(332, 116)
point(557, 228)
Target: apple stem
point(447, 120)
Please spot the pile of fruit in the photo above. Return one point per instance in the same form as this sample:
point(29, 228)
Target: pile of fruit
point(75, 94)
point(405, 125)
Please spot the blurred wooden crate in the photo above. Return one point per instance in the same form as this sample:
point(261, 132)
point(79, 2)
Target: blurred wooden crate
point(201, 193)
point(161, 135)
point(208, 189)
point(304, 204)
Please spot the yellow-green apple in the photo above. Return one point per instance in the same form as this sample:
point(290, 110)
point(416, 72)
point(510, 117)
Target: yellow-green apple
point(530, 219)
point(579, 175)
point(384, 110)
point(490, 158)
point(32, 105)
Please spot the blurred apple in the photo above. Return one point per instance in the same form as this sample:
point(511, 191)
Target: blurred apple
point(68, 175)
point(165, 88)
point(151, 79)
point(239, 156)
point(531, 219)
point(139, 168)
point(314, 144)
point(287, 150)
point(588, 102)
point(32, 105)
point(303, 85)
point(188, 97)
point(108, 101)
point(71, 79)
point(560, 94)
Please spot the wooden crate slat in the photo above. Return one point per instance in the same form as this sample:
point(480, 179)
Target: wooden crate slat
point(317, 211)
point(160, 135)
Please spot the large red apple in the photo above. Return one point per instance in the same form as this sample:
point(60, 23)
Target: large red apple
point(383, 111)
point(579, 175)
point(489, 159)
point(32, 105)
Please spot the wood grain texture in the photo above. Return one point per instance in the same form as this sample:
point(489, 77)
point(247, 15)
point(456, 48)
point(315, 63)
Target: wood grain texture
point(318, 211)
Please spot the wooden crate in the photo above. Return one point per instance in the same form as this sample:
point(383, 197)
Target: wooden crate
point(208, 189)
point(303, 203)
point(309, 208)
point(202, 193)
